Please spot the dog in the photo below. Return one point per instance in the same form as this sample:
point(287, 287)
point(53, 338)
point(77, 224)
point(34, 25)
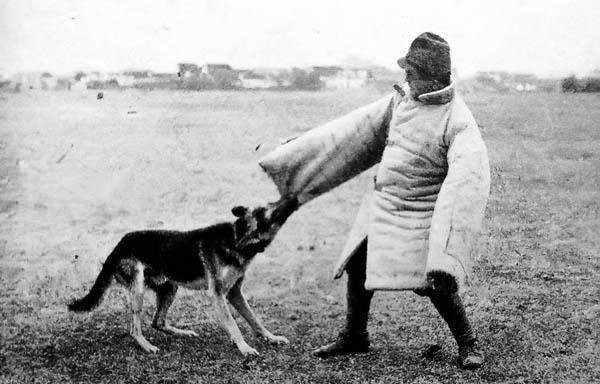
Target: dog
point(213, 258)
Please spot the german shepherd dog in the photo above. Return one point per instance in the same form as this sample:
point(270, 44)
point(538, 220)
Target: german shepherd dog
point(213, 258)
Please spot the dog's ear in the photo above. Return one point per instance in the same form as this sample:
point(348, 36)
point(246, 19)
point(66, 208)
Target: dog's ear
point(239, 211)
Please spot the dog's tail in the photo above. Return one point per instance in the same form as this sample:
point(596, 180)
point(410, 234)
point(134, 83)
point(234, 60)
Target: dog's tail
point(103, 281)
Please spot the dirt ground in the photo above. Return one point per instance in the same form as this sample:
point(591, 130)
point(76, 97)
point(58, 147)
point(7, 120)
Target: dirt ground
point(76, 173)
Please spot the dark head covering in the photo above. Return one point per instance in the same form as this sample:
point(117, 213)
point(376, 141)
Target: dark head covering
point(429, 54)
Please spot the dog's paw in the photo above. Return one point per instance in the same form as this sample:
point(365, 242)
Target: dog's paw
point(248, 351)
point(145, 344)
point(189, 333)
point(274, 339)
point(174, 331)
point(181, 332)
point(149, 348)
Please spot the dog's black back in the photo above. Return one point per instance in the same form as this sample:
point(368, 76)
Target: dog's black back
point(178, 255)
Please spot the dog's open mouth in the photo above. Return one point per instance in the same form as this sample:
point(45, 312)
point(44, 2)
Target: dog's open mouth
point(257, 241)
point(247, 241)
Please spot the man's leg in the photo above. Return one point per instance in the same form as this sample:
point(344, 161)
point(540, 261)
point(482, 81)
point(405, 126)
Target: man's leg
point(450, 307)
point(354, 338)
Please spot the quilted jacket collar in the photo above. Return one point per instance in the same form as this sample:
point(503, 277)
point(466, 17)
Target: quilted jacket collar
point(443, 96)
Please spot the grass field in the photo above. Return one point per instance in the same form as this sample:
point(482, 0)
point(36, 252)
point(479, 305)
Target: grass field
point(76, 173)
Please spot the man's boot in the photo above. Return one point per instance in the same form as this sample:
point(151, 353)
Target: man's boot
point(450, 307)
point(354, 338)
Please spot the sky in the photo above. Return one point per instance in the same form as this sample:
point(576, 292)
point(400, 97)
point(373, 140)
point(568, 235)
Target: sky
point(547, 38)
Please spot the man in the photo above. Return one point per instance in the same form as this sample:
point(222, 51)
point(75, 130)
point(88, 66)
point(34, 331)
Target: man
point(425, 210)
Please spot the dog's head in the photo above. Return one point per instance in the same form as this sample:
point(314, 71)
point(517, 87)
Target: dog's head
point(256, 228)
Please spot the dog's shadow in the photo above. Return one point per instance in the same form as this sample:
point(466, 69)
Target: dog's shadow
point(104, 330)
point(100, 346)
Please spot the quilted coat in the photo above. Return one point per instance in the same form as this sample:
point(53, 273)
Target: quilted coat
point(426, 207)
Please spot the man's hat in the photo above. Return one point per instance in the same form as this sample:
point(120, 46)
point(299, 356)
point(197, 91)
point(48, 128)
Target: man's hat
point(429, 54)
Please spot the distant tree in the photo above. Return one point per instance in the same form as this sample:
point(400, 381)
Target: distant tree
point(304, 80)
point(225, 78)
point(196, 82)
point(110, 84)
point(79, 75)
point(591, 84)
point(570, 84)
point(588, 84)
point(485, 78)
point(283, 78)
point(548, 85)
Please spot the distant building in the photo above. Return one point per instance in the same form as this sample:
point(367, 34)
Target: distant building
point(497, 77)
point(253, 80)
point(187, 70)
point(334, 77)
point(386, 76)
point(502, 81)
point(138, 74)
point(84, 79)
point(27, 81)
point(63, 84)
point(4, 83)
point(48, 82)
point(210, 69)
point(134, 77)
point(124, 80)
point(326, 71)
point(220, 76)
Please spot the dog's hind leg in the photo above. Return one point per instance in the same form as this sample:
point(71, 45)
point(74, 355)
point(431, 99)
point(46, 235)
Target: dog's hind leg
point(165, 294)
point(237, 299)
point(136, 291)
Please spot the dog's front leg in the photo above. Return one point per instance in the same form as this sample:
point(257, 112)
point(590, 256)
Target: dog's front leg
point(224, 317)
point(237, 299)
